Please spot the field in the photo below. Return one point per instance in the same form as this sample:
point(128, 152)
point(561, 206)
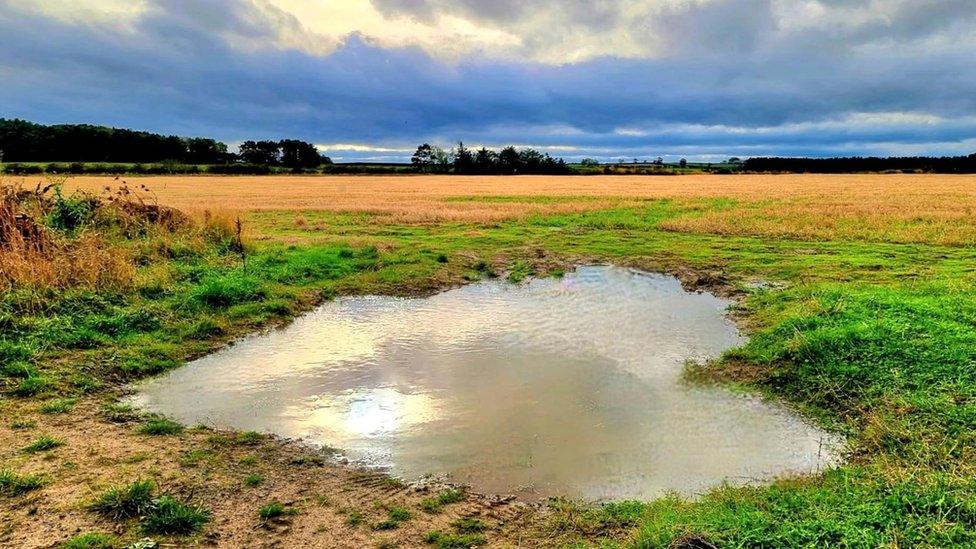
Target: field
point(857, 291)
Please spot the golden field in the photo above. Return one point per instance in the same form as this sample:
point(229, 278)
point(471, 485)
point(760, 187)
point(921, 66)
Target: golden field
point(932, 209)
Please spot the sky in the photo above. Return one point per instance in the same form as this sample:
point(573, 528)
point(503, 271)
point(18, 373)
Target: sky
point(369, 80)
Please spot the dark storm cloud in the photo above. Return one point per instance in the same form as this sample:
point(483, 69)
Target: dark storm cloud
point(729, 80)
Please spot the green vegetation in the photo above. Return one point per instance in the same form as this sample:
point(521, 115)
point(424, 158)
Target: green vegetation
point(59, 406)
point(123, 502)
point(13, 484)
point(172, 517)
point(160, 426)
point(275, 510)
point(92, 540)
point(253, 480)
point(43, 444)
point(437, 503)
point(455, 541)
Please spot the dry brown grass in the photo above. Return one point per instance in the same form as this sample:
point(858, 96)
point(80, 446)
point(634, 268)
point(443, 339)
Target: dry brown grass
point(935, 209)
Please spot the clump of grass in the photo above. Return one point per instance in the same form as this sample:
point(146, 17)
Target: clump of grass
point(436, 504)
point(394, 516)
point(249, 438)
point(19, 369)
point(194, 457)
point(275, 510)
point(355, 518)
point(92, 540)
point(14, 484)
point(253, 480)
point(43, 443)
point(160, 426)
point(469, 525)
point(455, 541)
point(122, 502)
point(519, 271)
point(118, 412)
point(58, 406)
point(169, 516)
point(22, 423)
point(32, 386)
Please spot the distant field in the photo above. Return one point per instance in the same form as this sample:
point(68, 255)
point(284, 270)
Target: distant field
point(933, 209)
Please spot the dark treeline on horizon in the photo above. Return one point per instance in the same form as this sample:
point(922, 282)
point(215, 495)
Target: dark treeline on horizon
point(23, 141)
point(945, 164)
point(508, 161)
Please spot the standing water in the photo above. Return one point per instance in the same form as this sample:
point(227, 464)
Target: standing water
point(555, 387)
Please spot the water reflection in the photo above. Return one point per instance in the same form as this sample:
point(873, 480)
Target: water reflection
point(565, 386)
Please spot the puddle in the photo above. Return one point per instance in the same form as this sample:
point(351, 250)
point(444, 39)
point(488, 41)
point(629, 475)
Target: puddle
point(555, 387)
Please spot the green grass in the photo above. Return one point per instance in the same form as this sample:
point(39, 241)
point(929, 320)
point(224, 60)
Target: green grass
point(275, 510)
point(123, 502)
point(160, 426)
point(92, 540)
point(253, 480)
point(59, 406)
point(170, 516)
point(455, 541)
point(13, 484)
point(436, 504)
point(42, 443)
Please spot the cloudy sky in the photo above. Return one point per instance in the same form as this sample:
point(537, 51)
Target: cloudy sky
point(370, 79)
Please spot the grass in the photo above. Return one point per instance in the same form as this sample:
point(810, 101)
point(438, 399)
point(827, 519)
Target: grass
point(869, 328)
point(436, 504)
point(123, 502)
point(160, 426)
point(170, 516)
point(92, 540)
point(275, 510)
point(58, 406)
point(42, 443)
point(253, 480)
point(13, 484)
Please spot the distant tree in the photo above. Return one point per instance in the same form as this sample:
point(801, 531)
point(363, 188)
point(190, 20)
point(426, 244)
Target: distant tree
point(683, 163)
point(659, 161)
point(485, 161)
point(463, 159)
point(424, 158)
point(735, 160)
point(589, 162)
point(260, 152)
point(299, 154)
point(509, 161)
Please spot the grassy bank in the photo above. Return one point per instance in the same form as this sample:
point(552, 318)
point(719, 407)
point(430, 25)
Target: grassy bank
point(868, 328)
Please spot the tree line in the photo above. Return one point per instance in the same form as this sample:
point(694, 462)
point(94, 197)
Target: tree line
point(507, 161)
point(945, 164)
point(23, 141)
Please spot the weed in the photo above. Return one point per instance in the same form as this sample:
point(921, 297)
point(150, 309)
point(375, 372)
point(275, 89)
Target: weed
point(172, 517)
point(42, 443)
point(22, 423)
point(248, 438)
point(195, 457)
point(119, 412)
point(253, 480)
point(355, 518)
point(122, 502)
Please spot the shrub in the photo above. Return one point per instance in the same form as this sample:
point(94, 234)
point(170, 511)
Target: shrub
point(72, 212)
point(172, 517)
point(124, 502)
point(19, 369)
point(43, 443)
point(13, 484)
